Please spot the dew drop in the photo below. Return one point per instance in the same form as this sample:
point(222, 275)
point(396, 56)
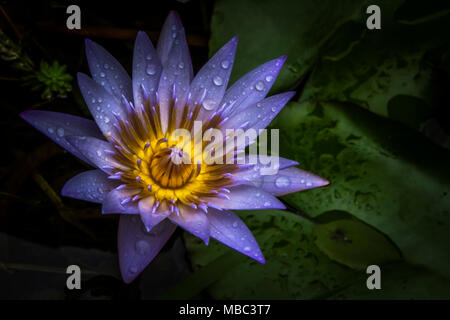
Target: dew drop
point(269, 78)
point(181, 65)
point(235, 224)
point(247, 249)
point(282, 182)
point(50, 130)
point(274, 109)
point(60, 132)
point(258, 105)
point(151, 69)
point(106, 119)
point(99, 100)
point(209, 104)
point(133, 269)
point(93, 100)
point(102, 74)
point(106, 66)
point(266, 204)
point(225, 64)
point(218, 81)
point(148, 57)
point(99, 153)
point(259, 85)
point(142, 247)
point(308, 184)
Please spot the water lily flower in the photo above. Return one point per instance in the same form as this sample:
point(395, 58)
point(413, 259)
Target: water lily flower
point(130, 146)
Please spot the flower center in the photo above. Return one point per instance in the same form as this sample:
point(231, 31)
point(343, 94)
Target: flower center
point(171, 168)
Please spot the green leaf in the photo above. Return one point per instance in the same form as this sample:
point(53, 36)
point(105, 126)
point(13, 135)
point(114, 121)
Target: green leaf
point(355, 244)
point(381, 172)
point(268, 29)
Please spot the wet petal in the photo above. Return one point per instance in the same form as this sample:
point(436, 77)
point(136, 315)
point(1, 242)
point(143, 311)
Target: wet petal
point(57, 126)
point(289, 180)
point(103, 107)
point(119, 201)
point(92, 185)
point(97, 152)
point(193, 221)
point(146, 68)
point(227, 228)
point(245, 197)
point(262, 165)
point(260, 114)
point(252, 87)
point(107, 71)
point(137, 247)
point(171, 26)
point(211, 81)
point(175, 77)
point(151, 215)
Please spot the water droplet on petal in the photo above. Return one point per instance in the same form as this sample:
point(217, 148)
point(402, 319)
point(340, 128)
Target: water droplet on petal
point(133, 269)
point(258, 105)
point(106, 66)
point(308, 184)
point(235, 224)
point(102, 74)
point(151, 69)
point(181, 65)
point(148, 57)
point(99, 153)
point(60, 132)
point(247, 249)
point(106, 119)
point(100, 100)
point(218, 81)
point(142, 247)
point(282, 182)
point(50, 130)
point(209, 104)
point(260, 86)
point(266, 204)
point(225, 64)
point(269, 78)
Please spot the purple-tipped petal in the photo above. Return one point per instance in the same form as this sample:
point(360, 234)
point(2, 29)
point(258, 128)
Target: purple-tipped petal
point(119, 201)
point(151, 216)
point(193, 221)
point(107, 71)
point(211, 81)
point(137, 247)
point(92, 185)
point(175, 77)
point(146, 68)
point(227, 228)
point(260, 114)
point(246, 197)
point(252, 87)
point(96, 151)
point(290, 180)
point(57, 126)
point(262, 165)
point(171, 26)
point(103, 107)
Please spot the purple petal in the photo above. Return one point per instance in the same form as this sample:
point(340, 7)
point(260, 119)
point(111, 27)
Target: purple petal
point(175, 77)
point(245, 197)
point(146, 68)
point(193, 221)
point(107, 71)
point(96, 151)
point(252, 87)
point(211, 81)
point(57, 126)
point(262, 166)
point(103, 107)
point(92, 185)
point(137, 247)
point(290, 180)
point(228, 228)
point(171, 26)
point(260, 114)
point(113, 202)
point(149, 216)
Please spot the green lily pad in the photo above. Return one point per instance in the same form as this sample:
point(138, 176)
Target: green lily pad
point(383, 173)
point(355, 244)
point(268, 29)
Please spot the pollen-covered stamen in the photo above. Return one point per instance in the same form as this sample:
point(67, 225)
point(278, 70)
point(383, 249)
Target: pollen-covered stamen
point(171, 168)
